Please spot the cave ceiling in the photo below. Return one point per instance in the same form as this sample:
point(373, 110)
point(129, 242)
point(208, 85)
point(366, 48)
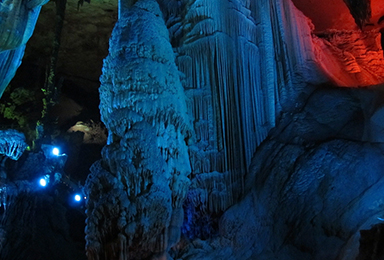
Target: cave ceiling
point(87, 29)
point(84, 41)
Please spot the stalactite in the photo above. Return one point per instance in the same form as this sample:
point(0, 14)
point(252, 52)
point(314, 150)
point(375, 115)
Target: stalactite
point(12, 143)
point(242, 63)
point(234, 89)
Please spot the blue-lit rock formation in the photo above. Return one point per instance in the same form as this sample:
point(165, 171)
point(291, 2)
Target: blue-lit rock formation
point(238, 62)
point(232, 135)
point(259, 165)
point(12, 144)
point(136, 193)
point(315, 183)
point(17, 22)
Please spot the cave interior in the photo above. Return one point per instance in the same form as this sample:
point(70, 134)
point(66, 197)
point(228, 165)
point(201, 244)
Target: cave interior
point(191, 129)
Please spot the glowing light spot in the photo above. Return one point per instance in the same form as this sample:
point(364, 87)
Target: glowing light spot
point(43, 182)
point(77, 197)
point(56, 151)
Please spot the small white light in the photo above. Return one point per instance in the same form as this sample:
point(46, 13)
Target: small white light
point(55, 151)
point(77, 197)
point(43, 182)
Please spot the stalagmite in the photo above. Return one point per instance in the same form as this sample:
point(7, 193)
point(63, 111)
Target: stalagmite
point(145, 163)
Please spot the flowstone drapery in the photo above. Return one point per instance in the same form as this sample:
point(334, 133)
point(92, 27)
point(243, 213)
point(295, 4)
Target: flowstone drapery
point(137, 191)
point(242, 63)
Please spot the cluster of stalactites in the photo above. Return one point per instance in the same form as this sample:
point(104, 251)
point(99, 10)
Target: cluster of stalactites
point(213, 192)
point(220, 60)
point(12, 143)
point(238, 66)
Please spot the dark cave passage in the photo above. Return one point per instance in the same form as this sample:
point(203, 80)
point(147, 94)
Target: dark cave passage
point(371, 243)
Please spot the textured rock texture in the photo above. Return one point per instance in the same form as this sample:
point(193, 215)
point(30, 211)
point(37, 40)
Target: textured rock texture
point(335, 14)
point(246, 67)
point(314, 184)
point(137, 191)
point(12, 144)
point(351, 58)
point(17, 22)
point(237, 80)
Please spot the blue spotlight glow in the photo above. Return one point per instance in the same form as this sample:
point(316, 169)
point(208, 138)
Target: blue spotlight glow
point(43, 182)
point(77, 197)
point(56, 151)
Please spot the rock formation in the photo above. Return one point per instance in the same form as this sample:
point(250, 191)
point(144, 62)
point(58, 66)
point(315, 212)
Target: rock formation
point(244, 71)
point(231, 135)
point(17, 22)
point(12, 144)
point(145, 165)
point(314, 184)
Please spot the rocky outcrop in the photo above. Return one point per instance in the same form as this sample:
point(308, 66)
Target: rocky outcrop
point(237, 80)
point(314, 184)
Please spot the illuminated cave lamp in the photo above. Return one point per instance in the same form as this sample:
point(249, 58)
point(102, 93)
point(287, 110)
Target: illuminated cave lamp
point(44, 181)
point(77, 197)
point(56, 151)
